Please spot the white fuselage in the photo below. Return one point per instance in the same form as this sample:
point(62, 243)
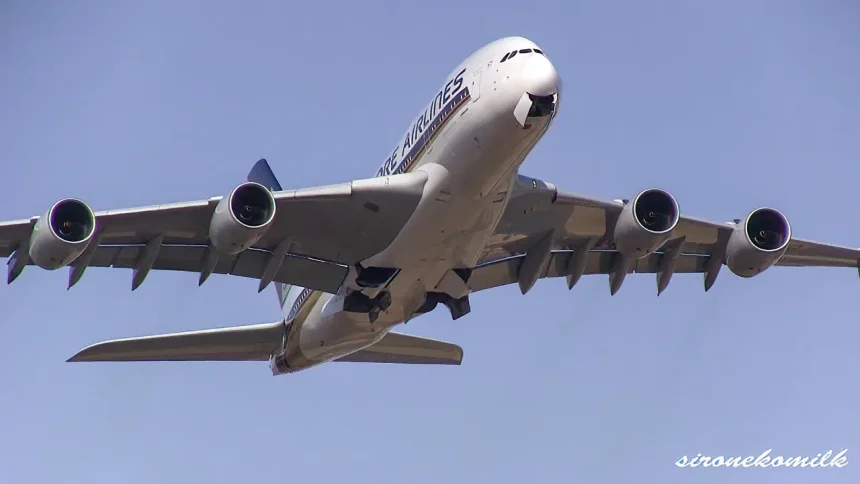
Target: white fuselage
point(470, 141)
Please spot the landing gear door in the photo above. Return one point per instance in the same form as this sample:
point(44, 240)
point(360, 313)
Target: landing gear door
point(475, 85)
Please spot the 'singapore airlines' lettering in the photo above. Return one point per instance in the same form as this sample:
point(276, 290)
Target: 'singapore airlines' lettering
point(448, 99)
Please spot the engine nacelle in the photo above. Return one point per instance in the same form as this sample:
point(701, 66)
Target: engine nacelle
point(241, 218)
point(646, 223)
point(62, 234)
point(758, 243)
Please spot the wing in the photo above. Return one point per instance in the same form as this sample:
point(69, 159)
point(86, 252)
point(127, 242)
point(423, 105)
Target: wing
point(545, 232)
point(312, 239)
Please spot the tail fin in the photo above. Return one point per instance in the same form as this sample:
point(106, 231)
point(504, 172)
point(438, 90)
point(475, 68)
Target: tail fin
point(262, 173)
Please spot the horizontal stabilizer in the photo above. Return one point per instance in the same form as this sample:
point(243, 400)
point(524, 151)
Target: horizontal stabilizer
point(239, 343)
point(403, 348)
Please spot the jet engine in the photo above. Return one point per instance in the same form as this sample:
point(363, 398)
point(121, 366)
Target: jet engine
point(241, 218)
point(758, 243)
point(646, 223)
point(62, 234)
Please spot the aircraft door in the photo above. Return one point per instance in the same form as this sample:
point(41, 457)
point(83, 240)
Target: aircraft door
point(475, 85)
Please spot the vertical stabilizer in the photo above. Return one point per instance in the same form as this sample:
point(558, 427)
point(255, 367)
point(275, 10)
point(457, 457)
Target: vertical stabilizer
point(262, 173)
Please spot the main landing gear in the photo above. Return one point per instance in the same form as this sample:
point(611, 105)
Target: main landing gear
point(458, 307)
point(357, 302)
point(374, 277)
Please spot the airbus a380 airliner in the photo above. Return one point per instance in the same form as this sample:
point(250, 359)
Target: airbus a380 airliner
point(446, 215)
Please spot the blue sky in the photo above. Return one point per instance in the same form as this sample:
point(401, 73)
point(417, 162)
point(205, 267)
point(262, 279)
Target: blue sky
point(729, 105)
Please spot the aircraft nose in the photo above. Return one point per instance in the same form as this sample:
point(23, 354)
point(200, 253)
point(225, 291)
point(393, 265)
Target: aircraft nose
point(540, 76)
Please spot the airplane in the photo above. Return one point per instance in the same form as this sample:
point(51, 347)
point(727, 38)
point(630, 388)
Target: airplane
point(446, 215)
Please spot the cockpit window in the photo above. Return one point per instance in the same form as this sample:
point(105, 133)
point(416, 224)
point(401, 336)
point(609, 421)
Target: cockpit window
point(510, 55)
